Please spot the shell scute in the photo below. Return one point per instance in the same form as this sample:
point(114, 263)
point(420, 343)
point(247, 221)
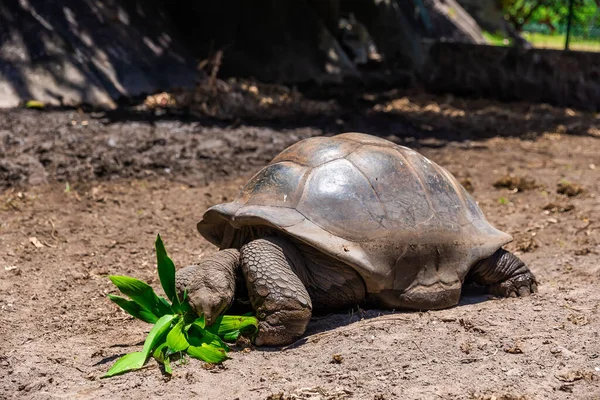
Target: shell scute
point(316, 151)
point(340, 199)
point(399, 191)
point(278, 184)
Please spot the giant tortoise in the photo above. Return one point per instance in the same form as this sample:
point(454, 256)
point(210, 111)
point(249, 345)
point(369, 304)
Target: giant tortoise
point(353, 219)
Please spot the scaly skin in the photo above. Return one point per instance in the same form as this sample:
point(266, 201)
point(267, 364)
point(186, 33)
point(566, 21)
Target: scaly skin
point(279, 281)
point(504, 274)
point(279, 298)
point(281, 301)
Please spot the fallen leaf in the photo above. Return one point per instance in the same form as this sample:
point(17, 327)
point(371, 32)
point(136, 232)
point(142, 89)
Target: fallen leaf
point(468, 185)
point(582, 252)
point(560, 208)
point(567, 387)
point(527, 244)
point(34, 241)
point(568, 188)
point(578, 319)
point(517, 183)
point(573, 376)
point(465, 347)
point(514, 349)
point(336, 359)
point(469, 326)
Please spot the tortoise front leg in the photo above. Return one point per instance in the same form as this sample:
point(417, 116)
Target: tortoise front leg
point(210, 284)
point(504, 274)
point(279, 298)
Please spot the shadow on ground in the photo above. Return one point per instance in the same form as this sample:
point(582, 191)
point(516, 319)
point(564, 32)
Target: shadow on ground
point(244, 126)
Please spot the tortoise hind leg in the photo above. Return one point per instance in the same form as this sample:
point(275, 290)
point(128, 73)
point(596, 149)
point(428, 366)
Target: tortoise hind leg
point(331, 284)
point(282, 304)
point(504, 274)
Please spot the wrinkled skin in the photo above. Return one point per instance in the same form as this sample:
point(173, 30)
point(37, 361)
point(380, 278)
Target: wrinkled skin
point(332, 223)
point(210, 284)
point(279, 283)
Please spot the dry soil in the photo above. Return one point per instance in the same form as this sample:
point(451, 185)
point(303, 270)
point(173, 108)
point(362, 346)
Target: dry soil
point(84, 195)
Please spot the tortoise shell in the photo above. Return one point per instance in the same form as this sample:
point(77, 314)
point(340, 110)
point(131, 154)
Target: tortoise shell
point(385, 210)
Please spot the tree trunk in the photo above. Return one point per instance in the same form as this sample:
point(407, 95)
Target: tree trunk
point(490, 16)
point(393, 33)
point(329, 12)
point(398, 26)
point(271, 40)
point(452, 22)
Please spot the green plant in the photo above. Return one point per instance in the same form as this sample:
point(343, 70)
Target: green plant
point(549, 13)
point(34, 104)
point(177, 329)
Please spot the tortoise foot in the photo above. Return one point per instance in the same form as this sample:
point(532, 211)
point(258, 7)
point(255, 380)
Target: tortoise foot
point(282, 327)
point(521, 285)
point(504, 274)
point(282, 304)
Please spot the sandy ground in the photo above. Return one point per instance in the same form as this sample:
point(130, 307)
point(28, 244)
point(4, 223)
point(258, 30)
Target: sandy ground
point(84, 196)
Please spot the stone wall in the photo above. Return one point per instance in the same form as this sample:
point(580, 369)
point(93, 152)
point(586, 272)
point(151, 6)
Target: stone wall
point(538, 75)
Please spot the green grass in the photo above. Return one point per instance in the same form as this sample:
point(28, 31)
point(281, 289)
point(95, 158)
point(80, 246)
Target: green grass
point(558, 42)
point(545, 41)
point(495, 39)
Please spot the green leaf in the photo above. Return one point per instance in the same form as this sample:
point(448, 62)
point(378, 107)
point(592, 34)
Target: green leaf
point(134, 309)
point(158, 333)
point(230, 336)
point(166, 270)
point(142, 293)
point(204, 345)
point(229, 327)
point(38, 105)
point(161, 354)
point(200, 322)
point(165, 304)
point(167, 365)
point(181, 308)
point(176, 338)
point(128, 362)
point(207, 353)
point(197, 336)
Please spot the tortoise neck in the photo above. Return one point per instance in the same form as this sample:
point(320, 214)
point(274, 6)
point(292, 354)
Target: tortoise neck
point(235, 238)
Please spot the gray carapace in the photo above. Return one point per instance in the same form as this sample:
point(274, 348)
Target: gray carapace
point(353, 219)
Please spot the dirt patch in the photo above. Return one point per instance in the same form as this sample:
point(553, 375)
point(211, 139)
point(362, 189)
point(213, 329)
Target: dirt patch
point(517, 183)
point(558, 208)
point(486, 118)
point(37, 147)
point(237, 126)
point(569, 188)
point(59, 331)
